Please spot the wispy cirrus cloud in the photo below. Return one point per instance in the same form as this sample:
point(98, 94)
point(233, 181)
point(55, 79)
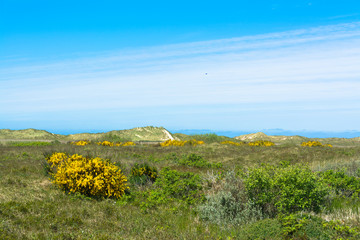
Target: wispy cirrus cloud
point(304, 68)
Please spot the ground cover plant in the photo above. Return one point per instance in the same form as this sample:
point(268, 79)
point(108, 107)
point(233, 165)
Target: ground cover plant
point(35, 143)
point(208, 191)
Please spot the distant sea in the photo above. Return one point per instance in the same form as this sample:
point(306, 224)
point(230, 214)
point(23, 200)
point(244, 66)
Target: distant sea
point(274, 132)
point(304, 133)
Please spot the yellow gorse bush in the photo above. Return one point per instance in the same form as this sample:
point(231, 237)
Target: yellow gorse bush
point(172, 143)
point(112, 144)
point(179, 143)
point(315, 144)
point(106, 143)
point(261, 143)
point(194, 142)
point(81, 142)
point(88, 176)
point(128, 144)
point(232, 143)
point(56, 158)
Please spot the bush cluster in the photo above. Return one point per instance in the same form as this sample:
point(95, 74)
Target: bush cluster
point(261, 143)
point(306, 226)
point(341, 183)
point(315, 144)
point(81, 142)
point(94, 177)
point(112, 144)
point(105, 143)
point(127, 144)
point(179, 143)
point(171, 185)
point(181, 185)
point(285, 189)
point(232, 143)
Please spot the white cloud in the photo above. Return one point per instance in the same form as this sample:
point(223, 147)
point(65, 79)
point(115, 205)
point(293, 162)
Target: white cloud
point(309, 66)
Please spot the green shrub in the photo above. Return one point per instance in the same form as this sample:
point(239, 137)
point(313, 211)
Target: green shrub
point(305, 226)
point(230, 205)
point(174, 185)
point(181, 185)
point(285, 189)
point(340, 230)
point(143, 173)
point(342, 184)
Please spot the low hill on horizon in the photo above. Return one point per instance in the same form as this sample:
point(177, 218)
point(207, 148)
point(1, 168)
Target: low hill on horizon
point(148, 133)
point(28, 134)
point(296, 139)
point(276, 139)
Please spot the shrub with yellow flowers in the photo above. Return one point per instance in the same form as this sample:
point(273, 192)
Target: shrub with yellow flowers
point(179, 143)
point(81, 142)
point(54, 160)
point(261, 143)
point(194, 142)
point(170, 142)
point(232, 143)
point(106, 143)
point(315, 144)
point(128, 144)
point(88, 176)
point(118, 144)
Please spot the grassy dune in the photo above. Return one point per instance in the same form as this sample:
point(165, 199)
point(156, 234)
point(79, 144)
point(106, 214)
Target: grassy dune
point(136, 134)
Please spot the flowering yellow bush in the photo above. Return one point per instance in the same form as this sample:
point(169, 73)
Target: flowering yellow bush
point(261, 143)
point(106, 143)
point(81, 142)
point(172, 143)
point(56, 158)
point(128, 144)
point(89, 176)
point(232, 143)
point(111, 144)
point(192, 142)
point(315, 144)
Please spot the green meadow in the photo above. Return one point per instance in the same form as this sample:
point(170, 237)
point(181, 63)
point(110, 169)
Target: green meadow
point(207, 191)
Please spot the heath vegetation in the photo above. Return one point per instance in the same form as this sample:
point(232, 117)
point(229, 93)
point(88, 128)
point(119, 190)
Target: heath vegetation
point(197, 187)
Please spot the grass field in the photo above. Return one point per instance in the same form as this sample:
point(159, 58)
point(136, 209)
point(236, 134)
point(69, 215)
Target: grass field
point(32, 207)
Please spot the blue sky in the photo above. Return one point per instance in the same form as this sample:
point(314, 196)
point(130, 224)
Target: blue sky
point(221, 65)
